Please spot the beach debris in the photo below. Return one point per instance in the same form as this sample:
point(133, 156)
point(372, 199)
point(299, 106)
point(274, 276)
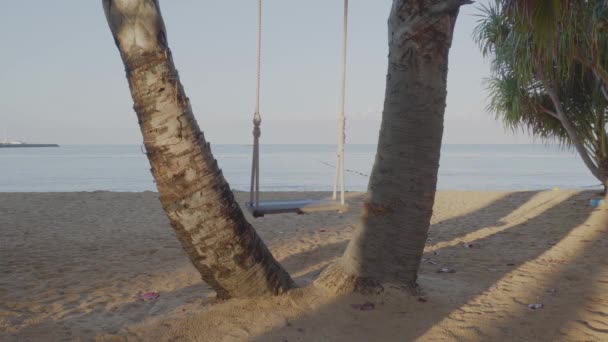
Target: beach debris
point(446, 270)
point(148, 296)
point(511, 264)
point(428, 260)
point(596, 202)
point(322, 230)
point(367, 306)
point(422, 299)
point(436, 253)
point(471, 245)
point(556, 188)
point(552, 290)
point(536, 306)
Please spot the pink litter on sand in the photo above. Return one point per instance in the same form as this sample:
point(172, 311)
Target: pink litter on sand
point(148, 296)
point(364, 307)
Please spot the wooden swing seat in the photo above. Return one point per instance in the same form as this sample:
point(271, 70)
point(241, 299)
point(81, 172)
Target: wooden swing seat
point(302, 206)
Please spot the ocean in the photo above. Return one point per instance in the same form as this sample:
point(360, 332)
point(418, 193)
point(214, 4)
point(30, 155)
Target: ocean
point(290, 168)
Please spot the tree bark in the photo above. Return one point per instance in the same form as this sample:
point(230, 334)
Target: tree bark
point(389, 242)
point(207, 220)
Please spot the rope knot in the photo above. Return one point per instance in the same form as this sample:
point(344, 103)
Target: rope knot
point(257, 119)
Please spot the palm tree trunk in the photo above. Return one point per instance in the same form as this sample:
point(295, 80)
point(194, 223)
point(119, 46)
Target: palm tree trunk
point(389, 242)
point(207, 220)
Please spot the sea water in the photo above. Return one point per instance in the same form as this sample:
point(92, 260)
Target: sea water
point(290, 168)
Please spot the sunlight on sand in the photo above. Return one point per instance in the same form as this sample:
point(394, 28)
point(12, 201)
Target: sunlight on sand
point(517, 217)
point(495, 311)
point(75, 263)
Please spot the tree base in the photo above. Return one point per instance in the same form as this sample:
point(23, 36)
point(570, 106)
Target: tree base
point(336, 281)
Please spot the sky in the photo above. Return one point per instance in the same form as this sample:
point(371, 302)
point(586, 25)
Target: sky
point(62, 80)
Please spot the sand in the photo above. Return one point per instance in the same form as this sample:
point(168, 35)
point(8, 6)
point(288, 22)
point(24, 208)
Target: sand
point(72, 265)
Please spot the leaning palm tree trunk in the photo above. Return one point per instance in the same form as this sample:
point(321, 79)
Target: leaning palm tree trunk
point(596, 170)
point(388, 244)
point(207, 220)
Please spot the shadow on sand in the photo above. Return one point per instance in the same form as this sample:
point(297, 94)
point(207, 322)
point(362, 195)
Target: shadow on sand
point(504, 255)
point(501, 254)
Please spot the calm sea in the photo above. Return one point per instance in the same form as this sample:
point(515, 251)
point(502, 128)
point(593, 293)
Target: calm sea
point(290, 168)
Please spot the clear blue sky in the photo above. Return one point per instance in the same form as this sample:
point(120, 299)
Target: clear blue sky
point(62, 79)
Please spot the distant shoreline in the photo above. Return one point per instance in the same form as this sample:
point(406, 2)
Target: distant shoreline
point(290, 168)
point(27, 145)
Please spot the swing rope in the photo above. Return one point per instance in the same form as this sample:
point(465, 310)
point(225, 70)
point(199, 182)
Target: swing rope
point(342, 118)
point(254, 191)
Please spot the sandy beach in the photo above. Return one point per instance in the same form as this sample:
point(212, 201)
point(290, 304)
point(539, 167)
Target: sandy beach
point(73, 264)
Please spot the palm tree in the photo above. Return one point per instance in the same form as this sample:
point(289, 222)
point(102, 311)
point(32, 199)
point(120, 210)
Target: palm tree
point(567, 31)
point(548, 66)
point(389, 242)
point(202, 210)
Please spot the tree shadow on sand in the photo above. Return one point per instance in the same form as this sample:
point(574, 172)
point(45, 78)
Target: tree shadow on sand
point(578, 285)
point(315, 259)
point(490, 215)
point(312, 261)
point(477, 271)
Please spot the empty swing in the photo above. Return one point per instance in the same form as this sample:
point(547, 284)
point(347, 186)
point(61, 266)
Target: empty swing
point(260, 208)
